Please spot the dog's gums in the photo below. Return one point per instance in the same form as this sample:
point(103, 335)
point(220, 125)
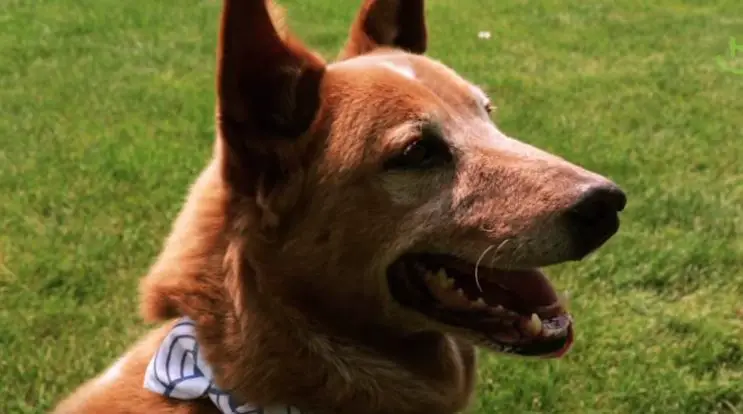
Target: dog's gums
point(510, 311)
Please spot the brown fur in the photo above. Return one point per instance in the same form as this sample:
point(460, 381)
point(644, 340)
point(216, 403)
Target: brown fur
point(280, 251)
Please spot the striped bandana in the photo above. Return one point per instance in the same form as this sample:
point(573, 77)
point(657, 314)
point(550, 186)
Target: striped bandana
point(178, 371)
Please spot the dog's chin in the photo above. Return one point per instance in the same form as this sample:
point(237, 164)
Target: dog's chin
point(515, 312)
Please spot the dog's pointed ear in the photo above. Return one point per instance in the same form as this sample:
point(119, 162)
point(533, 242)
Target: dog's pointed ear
point(267, 81)
point(388, 23)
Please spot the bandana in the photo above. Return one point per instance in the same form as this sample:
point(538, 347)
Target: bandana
point(178, 371)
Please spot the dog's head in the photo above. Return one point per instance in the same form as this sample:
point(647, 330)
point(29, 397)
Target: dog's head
point(376, 190)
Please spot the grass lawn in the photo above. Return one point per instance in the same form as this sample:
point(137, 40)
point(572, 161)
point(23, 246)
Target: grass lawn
point(106, 117)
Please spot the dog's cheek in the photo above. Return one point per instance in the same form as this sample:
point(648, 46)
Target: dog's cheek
point(414, 188)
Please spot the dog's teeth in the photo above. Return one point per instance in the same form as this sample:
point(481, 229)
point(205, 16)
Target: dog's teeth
point(444, 279)
point(534, 326)
point(480, 303)
point(441, 277)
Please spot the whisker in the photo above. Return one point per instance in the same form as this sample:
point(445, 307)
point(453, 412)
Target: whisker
point(477, 265)
point(498, 251)
point(482, 256)
point(518, 253)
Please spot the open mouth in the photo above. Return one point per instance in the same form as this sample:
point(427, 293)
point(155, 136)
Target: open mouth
point(511, 311)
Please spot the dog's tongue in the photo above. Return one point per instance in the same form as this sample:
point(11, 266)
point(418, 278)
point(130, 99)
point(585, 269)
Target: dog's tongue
point(532, 287)
point(523, 291)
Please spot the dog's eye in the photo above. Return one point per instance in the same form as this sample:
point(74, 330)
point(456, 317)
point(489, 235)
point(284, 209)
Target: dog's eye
point(428, 151)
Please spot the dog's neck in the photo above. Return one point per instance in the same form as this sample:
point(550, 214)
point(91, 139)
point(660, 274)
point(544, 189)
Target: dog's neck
point(423, 373)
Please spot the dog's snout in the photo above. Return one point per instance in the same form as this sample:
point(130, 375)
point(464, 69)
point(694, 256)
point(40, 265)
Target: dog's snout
point(594, 217)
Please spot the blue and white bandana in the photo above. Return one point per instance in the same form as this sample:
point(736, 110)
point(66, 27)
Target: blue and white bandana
point(178, 371)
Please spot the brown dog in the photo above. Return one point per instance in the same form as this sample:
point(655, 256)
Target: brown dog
point(362, 226)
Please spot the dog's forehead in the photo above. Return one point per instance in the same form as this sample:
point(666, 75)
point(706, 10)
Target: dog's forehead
point(434, 75)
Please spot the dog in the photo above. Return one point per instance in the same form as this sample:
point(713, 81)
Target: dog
point(360, 230)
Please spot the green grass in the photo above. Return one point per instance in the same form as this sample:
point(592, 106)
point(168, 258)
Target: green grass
point(107, 110)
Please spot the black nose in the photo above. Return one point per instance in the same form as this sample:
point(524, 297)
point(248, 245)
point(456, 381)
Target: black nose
point(594, 217)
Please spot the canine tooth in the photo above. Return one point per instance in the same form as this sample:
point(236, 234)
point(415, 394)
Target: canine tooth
point(480, 302)
point(441, 277)
point(444, 279)
point(534, 326)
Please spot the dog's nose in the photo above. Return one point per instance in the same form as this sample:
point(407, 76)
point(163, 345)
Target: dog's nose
point(594, 217)
point(597, 202)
